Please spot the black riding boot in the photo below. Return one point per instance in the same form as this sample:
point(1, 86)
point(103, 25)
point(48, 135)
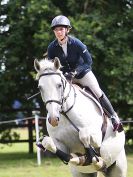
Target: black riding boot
point(105, 103)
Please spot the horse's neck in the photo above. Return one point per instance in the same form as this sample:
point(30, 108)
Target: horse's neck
point(71, 93)
point(82, 104)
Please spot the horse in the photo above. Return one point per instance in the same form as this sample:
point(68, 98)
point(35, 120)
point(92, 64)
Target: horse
point(74, 121)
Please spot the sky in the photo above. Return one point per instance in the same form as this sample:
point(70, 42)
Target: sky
point(4, 2)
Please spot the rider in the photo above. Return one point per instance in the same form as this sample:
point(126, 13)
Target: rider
point(75, 58)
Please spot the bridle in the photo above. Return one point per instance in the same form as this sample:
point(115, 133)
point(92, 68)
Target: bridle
point(63, 99)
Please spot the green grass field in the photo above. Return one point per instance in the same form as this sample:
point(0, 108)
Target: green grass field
point(16, 162)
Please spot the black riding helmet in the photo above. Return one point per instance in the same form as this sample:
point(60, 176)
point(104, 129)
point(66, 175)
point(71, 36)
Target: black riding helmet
point(60, 20)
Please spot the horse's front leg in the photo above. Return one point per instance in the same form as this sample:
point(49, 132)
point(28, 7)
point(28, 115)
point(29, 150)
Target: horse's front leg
point(49, 145)
point(92, 138)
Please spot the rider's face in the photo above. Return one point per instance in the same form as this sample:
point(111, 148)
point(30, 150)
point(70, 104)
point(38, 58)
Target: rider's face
point(60, 32)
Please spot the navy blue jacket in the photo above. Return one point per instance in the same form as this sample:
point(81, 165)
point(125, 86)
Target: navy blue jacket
point(78, 58)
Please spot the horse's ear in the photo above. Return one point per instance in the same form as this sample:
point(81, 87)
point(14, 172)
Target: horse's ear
point(57, 63)
point(36, 65)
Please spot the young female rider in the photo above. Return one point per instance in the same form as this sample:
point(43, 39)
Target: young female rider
point(74, 57)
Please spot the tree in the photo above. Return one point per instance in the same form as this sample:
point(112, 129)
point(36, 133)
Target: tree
point(104, 26)
point(24, 34)
point(25, 38)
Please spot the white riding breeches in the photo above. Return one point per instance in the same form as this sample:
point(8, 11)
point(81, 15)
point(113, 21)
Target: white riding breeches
point(90, 81)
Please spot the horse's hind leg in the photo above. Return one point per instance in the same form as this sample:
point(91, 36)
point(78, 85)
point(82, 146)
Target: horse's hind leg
point(119, 169)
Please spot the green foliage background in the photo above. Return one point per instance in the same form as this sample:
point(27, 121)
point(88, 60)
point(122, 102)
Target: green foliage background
point(104, 26)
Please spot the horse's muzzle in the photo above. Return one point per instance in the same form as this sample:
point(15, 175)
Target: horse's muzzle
point(53, 121)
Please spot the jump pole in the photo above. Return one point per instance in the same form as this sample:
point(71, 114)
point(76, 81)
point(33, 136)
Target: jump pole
point(37, 137)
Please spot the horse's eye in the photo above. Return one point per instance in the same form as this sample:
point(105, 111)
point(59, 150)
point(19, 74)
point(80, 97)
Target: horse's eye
point(40, 88)
point(59, 86)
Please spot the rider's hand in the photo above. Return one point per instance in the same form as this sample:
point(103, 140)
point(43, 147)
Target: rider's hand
point(70, 75)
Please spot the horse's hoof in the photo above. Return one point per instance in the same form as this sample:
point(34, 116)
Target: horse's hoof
point(74, 161)
point(77, 160)
point(100, 165)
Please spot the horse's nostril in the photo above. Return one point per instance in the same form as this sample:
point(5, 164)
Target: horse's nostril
point(53, 121)
point(49, 120)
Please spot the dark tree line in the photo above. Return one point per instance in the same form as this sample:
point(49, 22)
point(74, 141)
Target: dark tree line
point(104, 26)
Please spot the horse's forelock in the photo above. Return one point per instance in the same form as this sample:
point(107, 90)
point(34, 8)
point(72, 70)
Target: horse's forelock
point(45, 64)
